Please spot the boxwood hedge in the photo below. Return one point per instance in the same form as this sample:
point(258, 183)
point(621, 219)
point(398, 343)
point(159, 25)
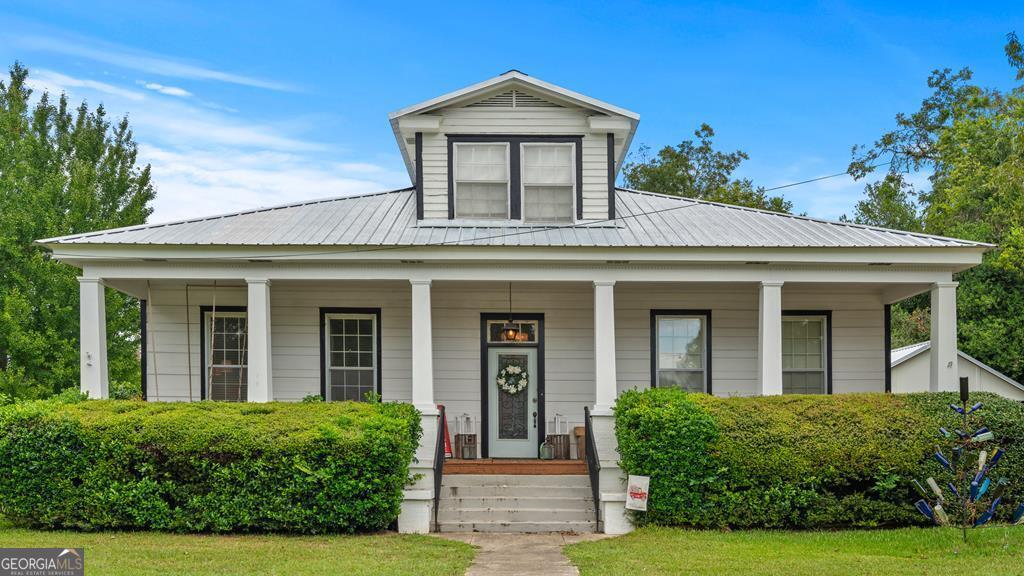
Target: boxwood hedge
point(795, 461)
point(206, 466)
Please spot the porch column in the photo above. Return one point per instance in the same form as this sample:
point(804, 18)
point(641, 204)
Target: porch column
point(261, 387)
point(944, 367)
point(769, 339)
point(604, 346)
point(92, 310)
point(422, 349)
point(418, 499)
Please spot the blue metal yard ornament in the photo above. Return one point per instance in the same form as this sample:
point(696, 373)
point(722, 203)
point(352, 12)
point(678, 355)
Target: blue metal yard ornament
point(971, 476)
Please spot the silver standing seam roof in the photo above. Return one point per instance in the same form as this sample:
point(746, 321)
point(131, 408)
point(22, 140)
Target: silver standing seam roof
point(643, 219)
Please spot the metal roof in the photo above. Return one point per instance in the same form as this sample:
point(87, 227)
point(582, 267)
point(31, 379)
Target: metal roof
point(643, 219)
point(901, 355)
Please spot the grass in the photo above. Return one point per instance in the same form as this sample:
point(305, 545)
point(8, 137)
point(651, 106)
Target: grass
point(992, 551)
point(145, 553)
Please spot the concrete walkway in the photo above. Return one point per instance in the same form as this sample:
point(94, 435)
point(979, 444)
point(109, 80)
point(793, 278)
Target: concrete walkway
point(521, 554)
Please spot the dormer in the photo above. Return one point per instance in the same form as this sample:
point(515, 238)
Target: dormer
point(514, 149)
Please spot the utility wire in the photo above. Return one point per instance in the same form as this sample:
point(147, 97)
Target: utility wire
point(474, 239)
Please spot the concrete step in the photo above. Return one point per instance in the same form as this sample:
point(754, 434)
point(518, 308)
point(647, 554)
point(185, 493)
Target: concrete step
point(516, 502)
point(516, 491)
point(505, 516)
point(554, 480)
point(519, 527)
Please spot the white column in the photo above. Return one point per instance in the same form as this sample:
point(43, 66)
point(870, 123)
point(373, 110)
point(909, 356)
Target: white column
point(944, 364)
point(261, 386)
point(604, 346)
point(92, 310)
point(418, 499)
point(769, 339)
point(422, 349)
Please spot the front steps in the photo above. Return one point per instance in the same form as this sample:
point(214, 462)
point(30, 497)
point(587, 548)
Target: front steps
point(523, 503)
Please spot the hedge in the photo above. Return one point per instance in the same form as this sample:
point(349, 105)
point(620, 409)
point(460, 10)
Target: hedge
point(796, 461)
point(205, 466)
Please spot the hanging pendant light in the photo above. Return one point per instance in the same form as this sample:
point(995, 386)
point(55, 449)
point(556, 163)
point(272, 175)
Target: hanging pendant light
point(510, 330)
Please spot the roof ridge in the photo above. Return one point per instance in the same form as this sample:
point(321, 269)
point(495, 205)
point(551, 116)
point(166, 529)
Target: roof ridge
point(136, 227)
point(809, 218)
point(924, 342)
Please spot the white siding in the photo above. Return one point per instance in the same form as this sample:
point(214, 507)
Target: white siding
point(858, 362)
point(913, 375)
point(533, 121)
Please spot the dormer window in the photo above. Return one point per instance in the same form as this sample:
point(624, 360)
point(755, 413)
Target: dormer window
point(532, 179)
point(482, 180)
point(548, 182)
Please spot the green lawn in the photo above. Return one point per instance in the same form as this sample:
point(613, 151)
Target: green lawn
point(991, 551)
point(143, 553)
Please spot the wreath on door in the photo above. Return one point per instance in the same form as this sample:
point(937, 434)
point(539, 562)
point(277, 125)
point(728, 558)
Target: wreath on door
point(512, 379)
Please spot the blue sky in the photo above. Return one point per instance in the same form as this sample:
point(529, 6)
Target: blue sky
point(245, 105)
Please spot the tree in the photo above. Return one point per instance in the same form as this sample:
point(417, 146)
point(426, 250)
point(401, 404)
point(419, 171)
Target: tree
point(890, 204)
point(971, 138)
point(696, 170)
point(62, 171)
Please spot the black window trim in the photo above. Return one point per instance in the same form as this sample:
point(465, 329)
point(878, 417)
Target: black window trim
point(324, 311)
point(827, 314)
point(514, 142)
point(203, 311)
point(706, 313)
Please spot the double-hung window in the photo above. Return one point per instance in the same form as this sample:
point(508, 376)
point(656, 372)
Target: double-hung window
point(352, 357)
point(226, 355)
point(548, 175)
point(804, 354)
point(481, 180)
point(681, 351)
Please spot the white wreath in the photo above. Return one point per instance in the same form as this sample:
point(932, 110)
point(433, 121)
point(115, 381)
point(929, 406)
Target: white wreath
point(513, 379)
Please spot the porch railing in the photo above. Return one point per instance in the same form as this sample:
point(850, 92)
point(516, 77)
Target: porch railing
point(593, 463)
point(439, 458)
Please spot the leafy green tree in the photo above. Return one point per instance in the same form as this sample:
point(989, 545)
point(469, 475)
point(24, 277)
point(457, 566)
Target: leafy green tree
point(888, 203)
point(62, 171)
point(696, 170)
point(971, 138)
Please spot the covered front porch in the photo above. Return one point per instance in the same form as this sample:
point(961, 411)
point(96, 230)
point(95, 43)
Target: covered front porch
point(432, 335)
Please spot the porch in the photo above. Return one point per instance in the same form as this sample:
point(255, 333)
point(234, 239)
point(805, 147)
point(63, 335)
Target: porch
point(430, 343)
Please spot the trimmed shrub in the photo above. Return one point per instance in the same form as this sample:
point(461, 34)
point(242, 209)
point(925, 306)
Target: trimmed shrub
point(206, 466)
point(793, 461)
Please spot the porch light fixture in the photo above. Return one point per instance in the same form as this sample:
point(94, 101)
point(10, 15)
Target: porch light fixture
point(510, 330)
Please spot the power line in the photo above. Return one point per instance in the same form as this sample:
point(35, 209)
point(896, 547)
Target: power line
point(529, 230)
point(820, 178)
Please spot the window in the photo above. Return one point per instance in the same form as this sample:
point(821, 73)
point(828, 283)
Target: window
point(548, 182)
point(352, 357)
point(481, 181)
point(681, 352)
point(527, 332)
point(804, 354)
point(226, 355)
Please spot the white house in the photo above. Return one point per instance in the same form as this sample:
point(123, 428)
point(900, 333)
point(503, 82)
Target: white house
point(513, 219)
point(911, 364)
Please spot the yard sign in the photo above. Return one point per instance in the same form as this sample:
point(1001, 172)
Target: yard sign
point(636, 492)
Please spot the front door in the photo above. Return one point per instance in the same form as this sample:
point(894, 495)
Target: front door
point(512, 415)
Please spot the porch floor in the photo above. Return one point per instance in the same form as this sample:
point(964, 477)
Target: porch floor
point(515, 466)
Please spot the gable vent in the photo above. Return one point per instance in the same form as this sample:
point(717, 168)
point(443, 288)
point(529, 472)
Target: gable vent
point(514, 99)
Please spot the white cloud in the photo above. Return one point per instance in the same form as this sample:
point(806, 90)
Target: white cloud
point(133, 59)
point(364, 167)
point(55, 83)
point(192, 183)
point(207, 161)
point(168, 90)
